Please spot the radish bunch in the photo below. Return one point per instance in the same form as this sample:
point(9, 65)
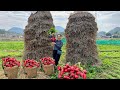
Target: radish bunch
point(47, 61)
point(10, 62)
point(71, 72)
point(31, 63)
point(53, 39)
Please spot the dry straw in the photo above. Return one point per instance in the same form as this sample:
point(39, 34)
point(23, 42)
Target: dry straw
point(37, 44)
point(81, 33)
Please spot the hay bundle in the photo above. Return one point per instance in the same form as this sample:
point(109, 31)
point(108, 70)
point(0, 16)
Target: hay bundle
point(81, 33)
point(36, 41)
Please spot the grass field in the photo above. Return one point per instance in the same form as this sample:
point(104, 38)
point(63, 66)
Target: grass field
point(109, 54)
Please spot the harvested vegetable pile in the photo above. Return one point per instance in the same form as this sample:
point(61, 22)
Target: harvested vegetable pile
point(47, 61)
point(10, 62)
point(71, 72)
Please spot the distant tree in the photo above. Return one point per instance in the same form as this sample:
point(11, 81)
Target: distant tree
point(117, 32)
point(2, 31)
point(108, 34)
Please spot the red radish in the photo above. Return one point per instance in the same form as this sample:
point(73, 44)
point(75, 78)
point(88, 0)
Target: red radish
point(69, 69)
point(53, 39)
point(31, 63)
point(75, 66)
point(85, 71)
point(81, 74)
point(10, 62)
point(84, 76)
point(72, 68)
point(76, 76)
point(59, 76)
point(71, 72)
point(47, 61)
point(67, 65)
point(59, 68)
point(61, 73)
point(77, 69)
point(65, 70)
point(78, 73)
point(66, 77)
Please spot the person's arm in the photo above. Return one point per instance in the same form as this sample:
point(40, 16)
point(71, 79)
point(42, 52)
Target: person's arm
point(59, 45)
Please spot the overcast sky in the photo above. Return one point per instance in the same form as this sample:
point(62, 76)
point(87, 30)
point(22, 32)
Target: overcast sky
point(106, 20)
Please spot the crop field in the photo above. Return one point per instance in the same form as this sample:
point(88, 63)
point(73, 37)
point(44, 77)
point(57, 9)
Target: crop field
point(108, 54)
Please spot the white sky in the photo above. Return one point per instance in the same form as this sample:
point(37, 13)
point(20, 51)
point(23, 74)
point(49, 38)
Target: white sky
point(106, 20)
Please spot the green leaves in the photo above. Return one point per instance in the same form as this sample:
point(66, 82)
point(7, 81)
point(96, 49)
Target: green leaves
point(52, 30)
point(106, 63)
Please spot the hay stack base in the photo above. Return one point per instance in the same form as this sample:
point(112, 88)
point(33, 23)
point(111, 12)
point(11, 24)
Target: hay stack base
point(81, 34)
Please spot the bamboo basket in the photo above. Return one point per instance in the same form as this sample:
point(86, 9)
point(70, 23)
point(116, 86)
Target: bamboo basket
point(48, 69)
point(31, 72)
point(11, 72)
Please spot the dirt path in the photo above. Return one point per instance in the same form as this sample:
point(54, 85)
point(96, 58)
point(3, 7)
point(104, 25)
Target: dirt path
point(21, 75)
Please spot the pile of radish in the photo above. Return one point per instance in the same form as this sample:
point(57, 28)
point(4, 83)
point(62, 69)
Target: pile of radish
point(10, 62)
point(71, 72)
point(31, 63)
point(53, 39)
point(47, 61)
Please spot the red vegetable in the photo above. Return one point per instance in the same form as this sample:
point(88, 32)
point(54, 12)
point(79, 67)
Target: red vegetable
point(71, 72)
point(59, 76)
point(85, 71)
point(68, 69)
point(31, 63)
point(84, 76)
point(72, 68)
point(10, 62)
point(78, 73)
point(81, 74)
point(47, 60)
point(77, 69)
point(76, 76)
point(59, 68)
point(66, 77)
point(53, 39)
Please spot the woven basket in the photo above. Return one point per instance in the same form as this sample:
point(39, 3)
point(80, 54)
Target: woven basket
point(31, 72)
point(4, 69)
point(5, 72)
point(11, 72)
point(48, 69)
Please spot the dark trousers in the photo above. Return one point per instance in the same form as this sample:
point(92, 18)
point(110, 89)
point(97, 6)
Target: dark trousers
point(56, 57)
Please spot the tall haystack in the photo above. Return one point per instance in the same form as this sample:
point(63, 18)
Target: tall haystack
point(81, 34)
point(36, 41)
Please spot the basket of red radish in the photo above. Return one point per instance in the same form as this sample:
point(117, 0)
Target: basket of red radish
point(71, 72)
point(30, 67)
point(48, 65)
point(10, 67)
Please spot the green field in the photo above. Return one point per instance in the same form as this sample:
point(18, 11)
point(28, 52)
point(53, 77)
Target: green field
point(109, 54)
point(11, 48)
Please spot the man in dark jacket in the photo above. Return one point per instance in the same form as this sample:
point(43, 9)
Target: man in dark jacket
point(57, 49)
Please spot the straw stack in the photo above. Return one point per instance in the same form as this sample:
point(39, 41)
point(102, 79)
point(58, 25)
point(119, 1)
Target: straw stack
point(81, 31)
point(36, 41)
